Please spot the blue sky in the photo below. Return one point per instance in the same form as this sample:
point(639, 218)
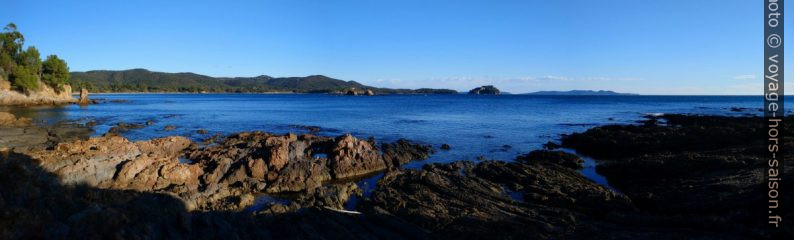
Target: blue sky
point(648, 47)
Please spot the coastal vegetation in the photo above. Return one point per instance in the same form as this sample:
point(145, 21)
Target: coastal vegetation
point(24, 69)
point(142, 80)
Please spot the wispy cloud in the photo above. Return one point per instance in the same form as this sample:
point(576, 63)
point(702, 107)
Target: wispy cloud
point(744, 77)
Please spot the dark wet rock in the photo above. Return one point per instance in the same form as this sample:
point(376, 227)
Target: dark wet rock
point(738, 109)
point(551, 145)
point(552, 157)
point(19, 133)
point(697, 174)
point(202, 131)
point(149, 122)
point(123, 127)
point(485, 90)
point(403, 151)
point(169, 128)
point(473, 201)
point(682, 133)
point(503, 148)
point(332, 196)
point(445, 146)
point(312, 129)
point(212, 139)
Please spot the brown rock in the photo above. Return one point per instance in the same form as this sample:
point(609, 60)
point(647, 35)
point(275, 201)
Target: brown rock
point(9, 120)
point(84, 96)
point(351, 156)
point(278, 150)
point(257, 168)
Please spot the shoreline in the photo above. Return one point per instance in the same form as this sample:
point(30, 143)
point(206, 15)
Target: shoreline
point(500, 190)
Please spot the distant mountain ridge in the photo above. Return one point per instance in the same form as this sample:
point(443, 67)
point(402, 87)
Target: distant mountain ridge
point(142, 80)
point(581, 93)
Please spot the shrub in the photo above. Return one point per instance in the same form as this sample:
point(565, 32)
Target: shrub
point(23, 80)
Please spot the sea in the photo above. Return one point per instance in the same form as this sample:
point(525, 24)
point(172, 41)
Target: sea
point(477, 127)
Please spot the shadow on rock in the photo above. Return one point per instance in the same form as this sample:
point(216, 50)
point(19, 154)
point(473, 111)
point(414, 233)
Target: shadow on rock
point(35, 205)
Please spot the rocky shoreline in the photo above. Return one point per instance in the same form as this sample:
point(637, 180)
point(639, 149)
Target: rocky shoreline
point(677, 176)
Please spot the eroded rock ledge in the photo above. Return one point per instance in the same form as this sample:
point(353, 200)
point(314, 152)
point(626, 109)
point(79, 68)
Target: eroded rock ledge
point(464, 200)
point(221, 176)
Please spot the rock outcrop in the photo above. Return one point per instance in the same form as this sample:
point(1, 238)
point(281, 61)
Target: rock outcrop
point(45, 95)
point(357, 92)
point(84, 96)
point(685, 179)
point(19, 132)
point(539, 200)
point(221, 176)
point(9, 120)
point(485, 90)
point(702, 174)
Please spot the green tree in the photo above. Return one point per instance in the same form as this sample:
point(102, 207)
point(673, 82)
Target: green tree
point(11, 42)
point(32, 60)
point(55, 72)
point(23, 80)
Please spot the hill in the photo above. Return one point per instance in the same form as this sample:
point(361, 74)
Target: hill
point(142, 80)
point(581, 93)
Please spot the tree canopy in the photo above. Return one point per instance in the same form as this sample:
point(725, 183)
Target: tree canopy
point(24, 68)
point(55, 72)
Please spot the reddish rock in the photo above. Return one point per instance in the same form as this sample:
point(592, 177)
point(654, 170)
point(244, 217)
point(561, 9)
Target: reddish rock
point(351, 156)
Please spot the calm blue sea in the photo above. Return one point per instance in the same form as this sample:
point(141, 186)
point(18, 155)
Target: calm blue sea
point(495, 127)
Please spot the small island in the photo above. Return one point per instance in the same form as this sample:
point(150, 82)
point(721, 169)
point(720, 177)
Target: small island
point(485, 90)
